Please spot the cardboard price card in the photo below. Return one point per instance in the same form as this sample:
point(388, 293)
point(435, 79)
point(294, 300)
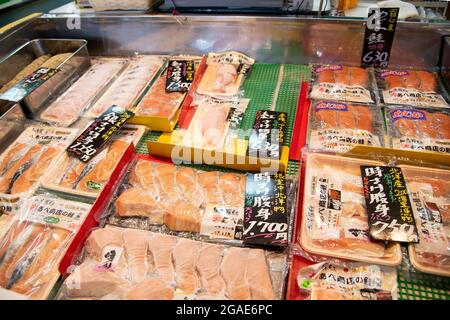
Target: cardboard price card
point(180, 75)
point(265, 215)
point(88, 144)
point(388, 205)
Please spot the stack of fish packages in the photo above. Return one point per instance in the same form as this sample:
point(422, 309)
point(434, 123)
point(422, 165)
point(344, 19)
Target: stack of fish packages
point(341, 250)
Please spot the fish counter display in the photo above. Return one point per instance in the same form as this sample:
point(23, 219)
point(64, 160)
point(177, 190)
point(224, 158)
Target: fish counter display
point(110, 223)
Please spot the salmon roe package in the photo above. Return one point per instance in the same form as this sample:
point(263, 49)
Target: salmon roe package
point(418, 88)
point(338, 126)
point(347, 281)
point(129, 264)
point(343, 83)
point(418, 128)
point(334, 218)
point(429, 192)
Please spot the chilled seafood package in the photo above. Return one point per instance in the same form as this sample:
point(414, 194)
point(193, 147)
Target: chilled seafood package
point(418, 128)
point(73, 176)
point(36, 240)
point(68, 107)
point(214, 121)
point(127, 88)
point(343, 83)
point(347, 281)
point(429, 192)
point(224, 73)
point(339, 126)
point(27, 159)
point(134, 264)
point(334, 218)
point(418, 88)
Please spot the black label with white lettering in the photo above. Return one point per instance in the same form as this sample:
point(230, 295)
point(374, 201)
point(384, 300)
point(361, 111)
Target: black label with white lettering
point(267, 136)
point(244, 68)
point(388, 205)
point(180, 74)
point(380, 30)
point(26, 86)
point(265, 216)
point(87, 145)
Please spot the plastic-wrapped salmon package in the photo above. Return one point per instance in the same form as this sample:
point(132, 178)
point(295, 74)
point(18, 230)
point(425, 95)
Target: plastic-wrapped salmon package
point(347, 281)
point(214, 121)
point(79, 97)
point(343, 83)
point(224, 73)
point(73, 176)
point(339, 126)
point(131, 83)
point(335, 219)
point(23, 164)
point(35, 242)
point(429, 193)
point(418, 88)
point(129, 264)
point(418, 128)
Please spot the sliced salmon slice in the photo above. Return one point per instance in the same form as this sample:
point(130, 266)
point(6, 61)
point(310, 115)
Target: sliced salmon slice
point(136, 202)
point(427, 81)
point(258, 276)
point(150, 289)
point(208, 183)
point(208, 266)
point(11, 156)
point(142, 176)
point(342, 76)
point(185, 255)
point(183, 216)
point(358, 77)
point(136, 245)
point(326, 119)
point(161, 247)
point(411, 81)
point(325, 76)
point(233, 270)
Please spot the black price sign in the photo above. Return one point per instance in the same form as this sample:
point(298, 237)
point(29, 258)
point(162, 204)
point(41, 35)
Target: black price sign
point(265, 215)
point(180, 74)
point(26, 86)
point(388, 205)
point(267, 135)
point(380, 30)
point(87, 145)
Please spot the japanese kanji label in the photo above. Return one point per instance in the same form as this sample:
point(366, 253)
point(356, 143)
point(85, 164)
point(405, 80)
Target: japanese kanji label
point(341, 140)
point(28, 85)
point(110, 258)
point(265, 216)
point(180, 74)
point(267, 135)
point(87, 145)
point(222, 222)
point(388, 206)
point(380, 30)
point(409, 96)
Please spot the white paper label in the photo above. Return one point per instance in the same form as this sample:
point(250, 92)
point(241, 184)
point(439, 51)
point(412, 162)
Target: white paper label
point(222, 222)
point(56, 137)
point(355, 228)
point(110, 258)
point(341, 140)
point(334, 91)
point(426, 144)
point(413, 97)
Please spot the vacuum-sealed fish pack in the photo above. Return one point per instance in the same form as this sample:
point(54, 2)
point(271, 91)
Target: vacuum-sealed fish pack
point(128, 87)
point(338, 126)
point(27, 159)
point(134, 264)
point(35, 242)
point(418, 88)
point(343, 83)
point(68, 108)
point(418, 128)
point(347, 281)
point(335, 219)
point(73, 176)
point(429, 192)
point(225, 73)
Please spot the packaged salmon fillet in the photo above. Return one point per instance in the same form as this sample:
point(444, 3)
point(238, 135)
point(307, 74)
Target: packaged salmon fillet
point(418, 128)
point(73, 176)
point(347, 281)
point(129, 86)
point(338, 126)
point(68, 107)
point(215, 121)
point(343, 83)
point(23, 164)
point(129, 264)
point(429, 192)
point(419, 88)
point(334, 218)
point(36, 240)
point(224, 73)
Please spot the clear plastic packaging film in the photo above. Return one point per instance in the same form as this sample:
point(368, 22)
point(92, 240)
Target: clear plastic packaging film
point(34, 242)
point(418, 88)
point(343, 83)
point(335, 219)
point(141, 265)
point(338, 126)
point(418, 128)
